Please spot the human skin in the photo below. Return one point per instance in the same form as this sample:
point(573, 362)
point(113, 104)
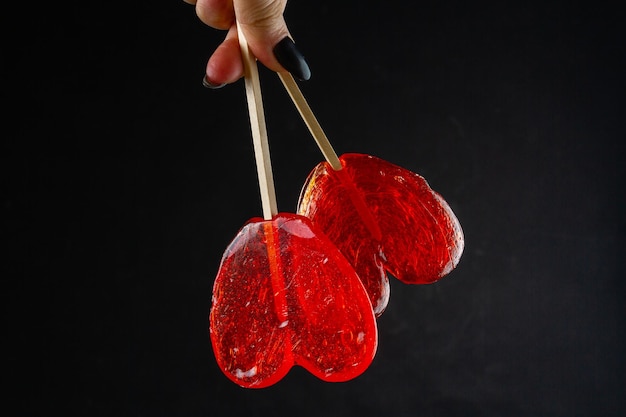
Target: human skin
point(263, 25)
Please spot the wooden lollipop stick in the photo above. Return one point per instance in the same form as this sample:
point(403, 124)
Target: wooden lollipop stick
point(259, 130)
point(310, 120)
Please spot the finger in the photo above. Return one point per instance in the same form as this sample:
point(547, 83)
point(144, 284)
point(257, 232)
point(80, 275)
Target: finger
point(264, 26)
point(218, 14)
point(225, 65)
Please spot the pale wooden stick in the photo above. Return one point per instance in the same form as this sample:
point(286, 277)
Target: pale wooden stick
point(259, 130)
point(310, 120)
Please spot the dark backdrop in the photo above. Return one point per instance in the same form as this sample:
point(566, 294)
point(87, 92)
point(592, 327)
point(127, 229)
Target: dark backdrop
point(125, 180)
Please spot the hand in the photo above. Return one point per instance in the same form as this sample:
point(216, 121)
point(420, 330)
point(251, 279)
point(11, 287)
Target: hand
point(266, 32)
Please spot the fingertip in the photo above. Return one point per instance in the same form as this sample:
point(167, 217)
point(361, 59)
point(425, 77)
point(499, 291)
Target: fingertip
point(207, 83)
point(225, 65)
point(277, 50)
point(290, 57)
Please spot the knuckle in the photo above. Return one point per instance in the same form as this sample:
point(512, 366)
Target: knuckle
point(262, 13)
point(215, 13)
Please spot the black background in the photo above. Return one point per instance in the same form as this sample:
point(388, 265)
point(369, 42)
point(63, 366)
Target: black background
point(125, 180)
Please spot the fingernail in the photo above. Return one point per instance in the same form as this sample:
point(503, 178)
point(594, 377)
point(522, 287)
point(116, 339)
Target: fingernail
point(208, 84)
point(291, 59)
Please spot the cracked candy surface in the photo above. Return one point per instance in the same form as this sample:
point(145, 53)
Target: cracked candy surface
point(285, 296)
point(331, 204)
point(416, 236)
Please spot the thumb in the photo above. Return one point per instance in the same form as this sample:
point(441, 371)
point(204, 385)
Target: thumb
point(264, 26)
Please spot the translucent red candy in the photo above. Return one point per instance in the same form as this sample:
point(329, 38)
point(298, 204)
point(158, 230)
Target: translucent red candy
point(383, 218)
point(284, 295)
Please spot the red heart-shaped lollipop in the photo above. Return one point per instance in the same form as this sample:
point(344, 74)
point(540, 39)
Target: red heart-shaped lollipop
point(383, 217)
point(284, 295)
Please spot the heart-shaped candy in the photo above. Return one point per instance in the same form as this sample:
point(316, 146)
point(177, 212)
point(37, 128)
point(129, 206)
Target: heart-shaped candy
point(284, 295)
point(383, 217)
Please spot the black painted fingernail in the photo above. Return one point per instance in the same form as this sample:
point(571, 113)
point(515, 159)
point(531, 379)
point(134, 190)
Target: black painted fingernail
point(291, 59)
point(208, 84)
